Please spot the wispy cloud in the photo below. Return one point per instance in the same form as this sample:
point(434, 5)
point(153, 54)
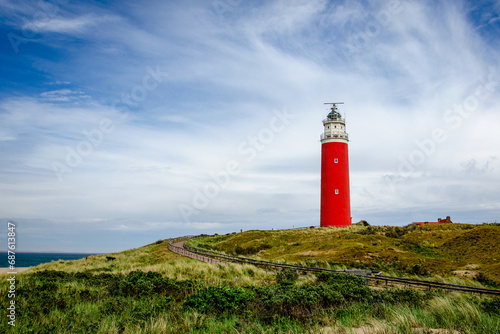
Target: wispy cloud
point(404, 69)
point(64, 95)
point(63, 25)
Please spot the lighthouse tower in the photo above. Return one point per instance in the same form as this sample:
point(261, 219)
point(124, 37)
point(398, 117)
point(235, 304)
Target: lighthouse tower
point(335, 199)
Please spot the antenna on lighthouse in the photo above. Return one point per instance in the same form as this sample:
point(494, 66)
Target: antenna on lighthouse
point(334, 105)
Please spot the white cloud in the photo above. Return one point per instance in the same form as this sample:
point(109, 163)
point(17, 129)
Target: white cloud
point(64, 95)
point(225, 79)
point(59, 25)
point(66, 25)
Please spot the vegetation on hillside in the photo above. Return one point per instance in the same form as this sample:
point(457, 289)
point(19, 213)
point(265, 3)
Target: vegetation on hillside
point(148, 302)
point(446, 250)
point(152, 290)
point(158, 258)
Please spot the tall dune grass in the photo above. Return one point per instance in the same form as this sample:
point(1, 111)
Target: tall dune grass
point(91, 294)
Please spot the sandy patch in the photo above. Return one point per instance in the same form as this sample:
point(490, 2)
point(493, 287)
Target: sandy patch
point(466, 273)
point(308, 253)
point(472, 266)
point(371, 255)
point(17, 270)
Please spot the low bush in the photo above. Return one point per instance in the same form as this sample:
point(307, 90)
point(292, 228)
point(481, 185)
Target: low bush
point(249, 250)
point(285, 300)
point(287, 276)
point(418, 269)
point(400, 296)
point(369, 230)
point(352, 288)
point(362, 223)
point(56, 302)
point(139, 283)
point(219, 299)
point(491, 306)
point(483, 279)
point(52, 275)
point(396, 232)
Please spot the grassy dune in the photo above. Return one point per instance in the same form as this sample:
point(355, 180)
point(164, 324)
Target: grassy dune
point(152, 290)
point(158, 258)
point(443, 250)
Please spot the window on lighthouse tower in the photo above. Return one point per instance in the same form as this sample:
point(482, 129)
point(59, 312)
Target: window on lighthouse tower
point(336, 191)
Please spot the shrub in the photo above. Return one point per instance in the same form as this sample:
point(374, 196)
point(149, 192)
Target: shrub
point(287, 276)
point(418, 269)
point(302, 302)
point(286, 300)
point(396, 232)
point(87, 295)
point(83, 275)
point(101, 279)
point(399, 296)
point(52, 275)
point(352, 288)
point(112, 306)
point(367, 231)
point(362, 223)
point(483, 279)
point(491, 306)
point(330, 297)
point(219, 299)
point(138, 283)
point(250, 250)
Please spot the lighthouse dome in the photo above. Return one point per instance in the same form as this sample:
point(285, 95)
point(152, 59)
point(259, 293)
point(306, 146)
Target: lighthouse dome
point(334, 115)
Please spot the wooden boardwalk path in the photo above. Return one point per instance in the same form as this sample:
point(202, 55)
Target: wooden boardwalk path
point(209, 256)
point(178, 247)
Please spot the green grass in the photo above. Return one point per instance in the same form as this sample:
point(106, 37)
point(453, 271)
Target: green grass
point(148, 302)
point(152, 290)
point(157, 257)
point(432, 249)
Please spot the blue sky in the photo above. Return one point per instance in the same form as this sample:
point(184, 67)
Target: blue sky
point(125, 122)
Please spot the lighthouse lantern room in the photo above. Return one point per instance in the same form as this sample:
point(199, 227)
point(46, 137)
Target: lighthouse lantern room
point(335, 196)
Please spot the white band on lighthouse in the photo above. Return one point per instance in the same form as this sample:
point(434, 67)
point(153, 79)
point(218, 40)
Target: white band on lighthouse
point(333, 140)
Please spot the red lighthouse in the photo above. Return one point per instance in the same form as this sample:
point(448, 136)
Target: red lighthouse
point(335, 199)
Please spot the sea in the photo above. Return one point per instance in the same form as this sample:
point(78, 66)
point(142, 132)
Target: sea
point(34, 259)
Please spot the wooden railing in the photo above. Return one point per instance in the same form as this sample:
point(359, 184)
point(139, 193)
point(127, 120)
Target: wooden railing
point(216, 257)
